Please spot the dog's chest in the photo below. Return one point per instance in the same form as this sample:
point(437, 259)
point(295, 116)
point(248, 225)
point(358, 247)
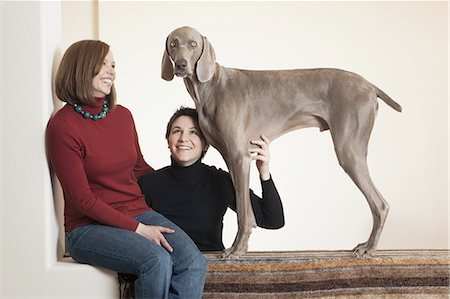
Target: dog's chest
point(208, 128)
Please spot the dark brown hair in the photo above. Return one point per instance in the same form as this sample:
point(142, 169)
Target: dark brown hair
point(81, 62)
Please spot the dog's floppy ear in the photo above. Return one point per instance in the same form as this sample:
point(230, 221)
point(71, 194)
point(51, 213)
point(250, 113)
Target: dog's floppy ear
point(166, 65)
point(206, 65)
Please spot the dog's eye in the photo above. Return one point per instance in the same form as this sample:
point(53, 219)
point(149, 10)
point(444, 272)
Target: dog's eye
point(173, 43)
point(193, 44)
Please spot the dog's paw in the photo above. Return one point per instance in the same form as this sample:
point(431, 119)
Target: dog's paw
point(363, 250)
point(232, 253)
point(226, 254)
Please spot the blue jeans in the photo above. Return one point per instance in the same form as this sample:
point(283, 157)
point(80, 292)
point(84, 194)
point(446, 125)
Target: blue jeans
point(160, 274)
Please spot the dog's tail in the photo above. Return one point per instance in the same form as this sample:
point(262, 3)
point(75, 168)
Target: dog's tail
point(387, 99)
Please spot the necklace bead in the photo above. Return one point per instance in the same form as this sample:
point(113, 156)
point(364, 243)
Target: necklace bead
point(94, 117)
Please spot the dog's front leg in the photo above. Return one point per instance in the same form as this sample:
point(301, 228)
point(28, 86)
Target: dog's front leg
point(239, 167)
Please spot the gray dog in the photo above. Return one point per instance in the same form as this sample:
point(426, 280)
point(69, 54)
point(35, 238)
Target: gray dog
point(236, 106)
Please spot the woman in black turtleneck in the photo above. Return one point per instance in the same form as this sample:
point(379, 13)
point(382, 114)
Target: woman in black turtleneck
point(196, 196)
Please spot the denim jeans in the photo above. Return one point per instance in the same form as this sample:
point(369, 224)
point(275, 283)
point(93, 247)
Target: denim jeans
point(160, 274)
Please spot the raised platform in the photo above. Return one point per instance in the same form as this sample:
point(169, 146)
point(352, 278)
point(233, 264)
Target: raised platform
point(330, 274)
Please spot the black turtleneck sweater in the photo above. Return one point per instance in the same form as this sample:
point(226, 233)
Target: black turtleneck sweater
point(196, 199)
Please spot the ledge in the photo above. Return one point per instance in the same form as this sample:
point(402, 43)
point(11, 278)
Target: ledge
point(70, 279)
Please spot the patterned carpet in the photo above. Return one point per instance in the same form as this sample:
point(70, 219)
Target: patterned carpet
point(389, 274)
point(330, 274)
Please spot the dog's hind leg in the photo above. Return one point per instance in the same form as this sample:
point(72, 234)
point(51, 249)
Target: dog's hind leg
point(239, 168)
point(350, 141)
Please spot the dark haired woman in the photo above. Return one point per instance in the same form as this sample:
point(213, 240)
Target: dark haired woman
point(196, 196)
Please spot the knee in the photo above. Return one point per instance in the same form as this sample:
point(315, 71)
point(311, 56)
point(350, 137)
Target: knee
point(158, 263)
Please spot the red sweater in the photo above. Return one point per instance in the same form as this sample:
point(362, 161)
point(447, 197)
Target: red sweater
point(98, 164)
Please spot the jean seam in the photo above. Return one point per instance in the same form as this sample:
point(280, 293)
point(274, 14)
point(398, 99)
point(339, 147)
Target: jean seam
point(108, 254)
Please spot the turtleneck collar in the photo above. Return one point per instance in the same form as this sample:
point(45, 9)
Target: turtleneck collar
point(99, 101)
point(191, 172)
point(94, 109)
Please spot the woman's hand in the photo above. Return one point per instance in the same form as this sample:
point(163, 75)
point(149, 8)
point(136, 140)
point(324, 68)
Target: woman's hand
point(262, 156)
point(155, 233)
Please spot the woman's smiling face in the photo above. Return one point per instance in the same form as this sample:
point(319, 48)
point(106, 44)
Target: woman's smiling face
point(184, 141)
point(104, 80)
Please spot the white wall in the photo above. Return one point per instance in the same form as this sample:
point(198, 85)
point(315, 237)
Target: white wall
point(79, 21)
point(30, 46)
point(25, 183)
point(1, 150)
point(399, 46)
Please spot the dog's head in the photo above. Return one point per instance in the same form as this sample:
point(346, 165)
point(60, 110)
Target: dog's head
point(188, 53)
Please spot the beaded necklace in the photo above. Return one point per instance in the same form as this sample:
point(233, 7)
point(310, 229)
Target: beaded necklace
point(85, 114)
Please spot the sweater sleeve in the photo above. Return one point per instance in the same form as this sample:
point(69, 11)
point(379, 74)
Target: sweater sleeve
point(268, 210)
point(65, 153)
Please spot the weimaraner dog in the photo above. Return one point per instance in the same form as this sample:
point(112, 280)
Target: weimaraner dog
point(236, 106)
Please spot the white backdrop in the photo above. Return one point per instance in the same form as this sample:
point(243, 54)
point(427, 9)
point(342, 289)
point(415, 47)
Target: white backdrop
point(401, 47)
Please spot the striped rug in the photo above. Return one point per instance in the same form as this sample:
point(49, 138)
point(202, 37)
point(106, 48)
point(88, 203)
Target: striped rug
point(330, 274)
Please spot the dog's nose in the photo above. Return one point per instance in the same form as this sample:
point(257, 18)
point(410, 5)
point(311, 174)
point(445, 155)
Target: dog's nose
point(181, 64)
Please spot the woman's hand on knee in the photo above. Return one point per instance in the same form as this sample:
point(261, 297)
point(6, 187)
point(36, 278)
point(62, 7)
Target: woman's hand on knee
point(155, 233)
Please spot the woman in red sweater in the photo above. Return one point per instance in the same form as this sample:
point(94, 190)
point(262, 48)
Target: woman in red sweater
point(93, 149)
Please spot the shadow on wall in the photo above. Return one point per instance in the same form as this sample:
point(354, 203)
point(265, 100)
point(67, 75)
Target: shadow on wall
point(57, 192)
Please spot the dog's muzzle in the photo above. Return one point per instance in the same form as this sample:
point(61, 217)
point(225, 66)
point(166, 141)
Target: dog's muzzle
point(181, 68)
